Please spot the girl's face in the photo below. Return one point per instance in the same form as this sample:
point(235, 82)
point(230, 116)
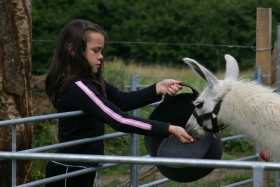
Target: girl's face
point(93, 50)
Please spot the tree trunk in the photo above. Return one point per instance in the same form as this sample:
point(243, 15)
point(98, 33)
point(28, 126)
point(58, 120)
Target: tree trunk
point(15, 78)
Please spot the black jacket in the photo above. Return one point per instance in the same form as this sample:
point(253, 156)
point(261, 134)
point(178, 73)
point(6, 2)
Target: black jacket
point(81, 95)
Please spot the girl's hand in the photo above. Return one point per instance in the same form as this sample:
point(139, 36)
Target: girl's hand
point(180, 133)
point(168, 86)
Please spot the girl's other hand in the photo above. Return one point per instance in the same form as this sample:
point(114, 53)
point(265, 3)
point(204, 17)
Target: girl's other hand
point(181, 134)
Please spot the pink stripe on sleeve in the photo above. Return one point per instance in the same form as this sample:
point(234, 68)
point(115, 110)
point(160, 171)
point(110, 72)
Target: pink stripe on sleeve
point(110, 112)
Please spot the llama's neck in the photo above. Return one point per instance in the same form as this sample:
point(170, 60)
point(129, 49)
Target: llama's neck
point(255, 111)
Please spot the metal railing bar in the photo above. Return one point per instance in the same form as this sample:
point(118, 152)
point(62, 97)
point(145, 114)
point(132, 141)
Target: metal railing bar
point(58, 177)
point(75, 142)
point(139, 160)
point(233, 137)
point(67, 175)
point(72, 143)
point(40, 118)
point(155, 183)
point(240, 183)
point(155, 104)
point(140, 86)
point(248, 158)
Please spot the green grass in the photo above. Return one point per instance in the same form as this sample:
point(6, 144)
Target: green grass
point(45, 133)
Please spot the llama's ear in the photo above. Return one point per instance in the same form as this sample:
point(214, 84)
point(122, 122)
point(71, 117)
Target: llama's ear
point(232, 68)
point(211, 80)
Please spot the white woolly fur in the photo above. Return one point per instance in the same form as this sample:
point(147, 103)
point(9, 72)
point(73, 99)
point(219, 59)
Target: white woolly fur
point(253, 110)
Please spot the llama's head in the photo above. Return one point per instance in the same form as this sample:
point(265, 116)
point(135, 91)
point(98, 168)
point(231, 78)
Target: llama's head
point(204, 118)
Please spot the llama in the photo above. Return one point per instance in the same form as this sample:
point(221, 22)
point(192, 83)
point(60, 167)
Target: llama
point(243, 105)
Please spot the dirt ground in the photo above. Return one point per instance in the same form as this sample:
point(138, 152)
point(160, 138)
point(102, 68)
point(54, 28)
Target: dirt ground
point(219, 177)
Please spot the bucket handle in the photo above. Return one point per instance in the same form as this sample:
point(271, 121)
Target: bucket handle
point(195, 92)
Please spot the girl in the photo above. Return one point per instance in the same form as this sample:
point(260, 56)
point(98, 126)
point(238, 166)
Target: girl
point(75, 82)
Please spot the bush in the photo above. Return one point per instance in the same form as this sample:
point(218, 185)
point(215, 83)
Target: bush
point(238, 145)
point(157, 31)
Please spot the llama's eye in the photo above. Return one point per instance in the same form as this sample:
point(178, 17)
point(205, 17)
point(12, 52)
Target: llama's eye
point(198, 105)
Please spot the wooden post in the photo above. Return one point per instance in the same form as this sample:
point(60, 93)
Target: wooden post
point(263, 43)
point(274, 67)
point(263, 54)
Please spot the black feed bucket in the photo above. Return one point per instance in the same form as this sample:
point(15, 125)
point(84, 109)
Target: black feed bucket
point(177, 110)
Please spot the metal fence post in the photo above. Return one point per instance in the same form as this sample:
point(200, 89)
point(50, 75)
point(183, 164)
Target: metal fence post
point(258, 176)
point(134, 142)
point(257, 151)
point(14, 149)
point(258, 75)
point(276, 178)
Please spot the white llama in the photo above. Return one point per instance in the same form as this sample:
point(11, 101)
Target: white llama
point(245, 106)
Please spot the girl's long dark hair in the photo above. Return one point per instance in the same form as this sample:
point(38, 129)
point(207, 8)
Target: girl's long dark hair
point(64, 66)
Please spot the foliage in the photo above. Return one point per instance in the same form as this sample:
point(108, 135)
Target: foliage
point(238, 145)
point(45, 133)
point(164, 31)
point(115, 74)
point(229, 179)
